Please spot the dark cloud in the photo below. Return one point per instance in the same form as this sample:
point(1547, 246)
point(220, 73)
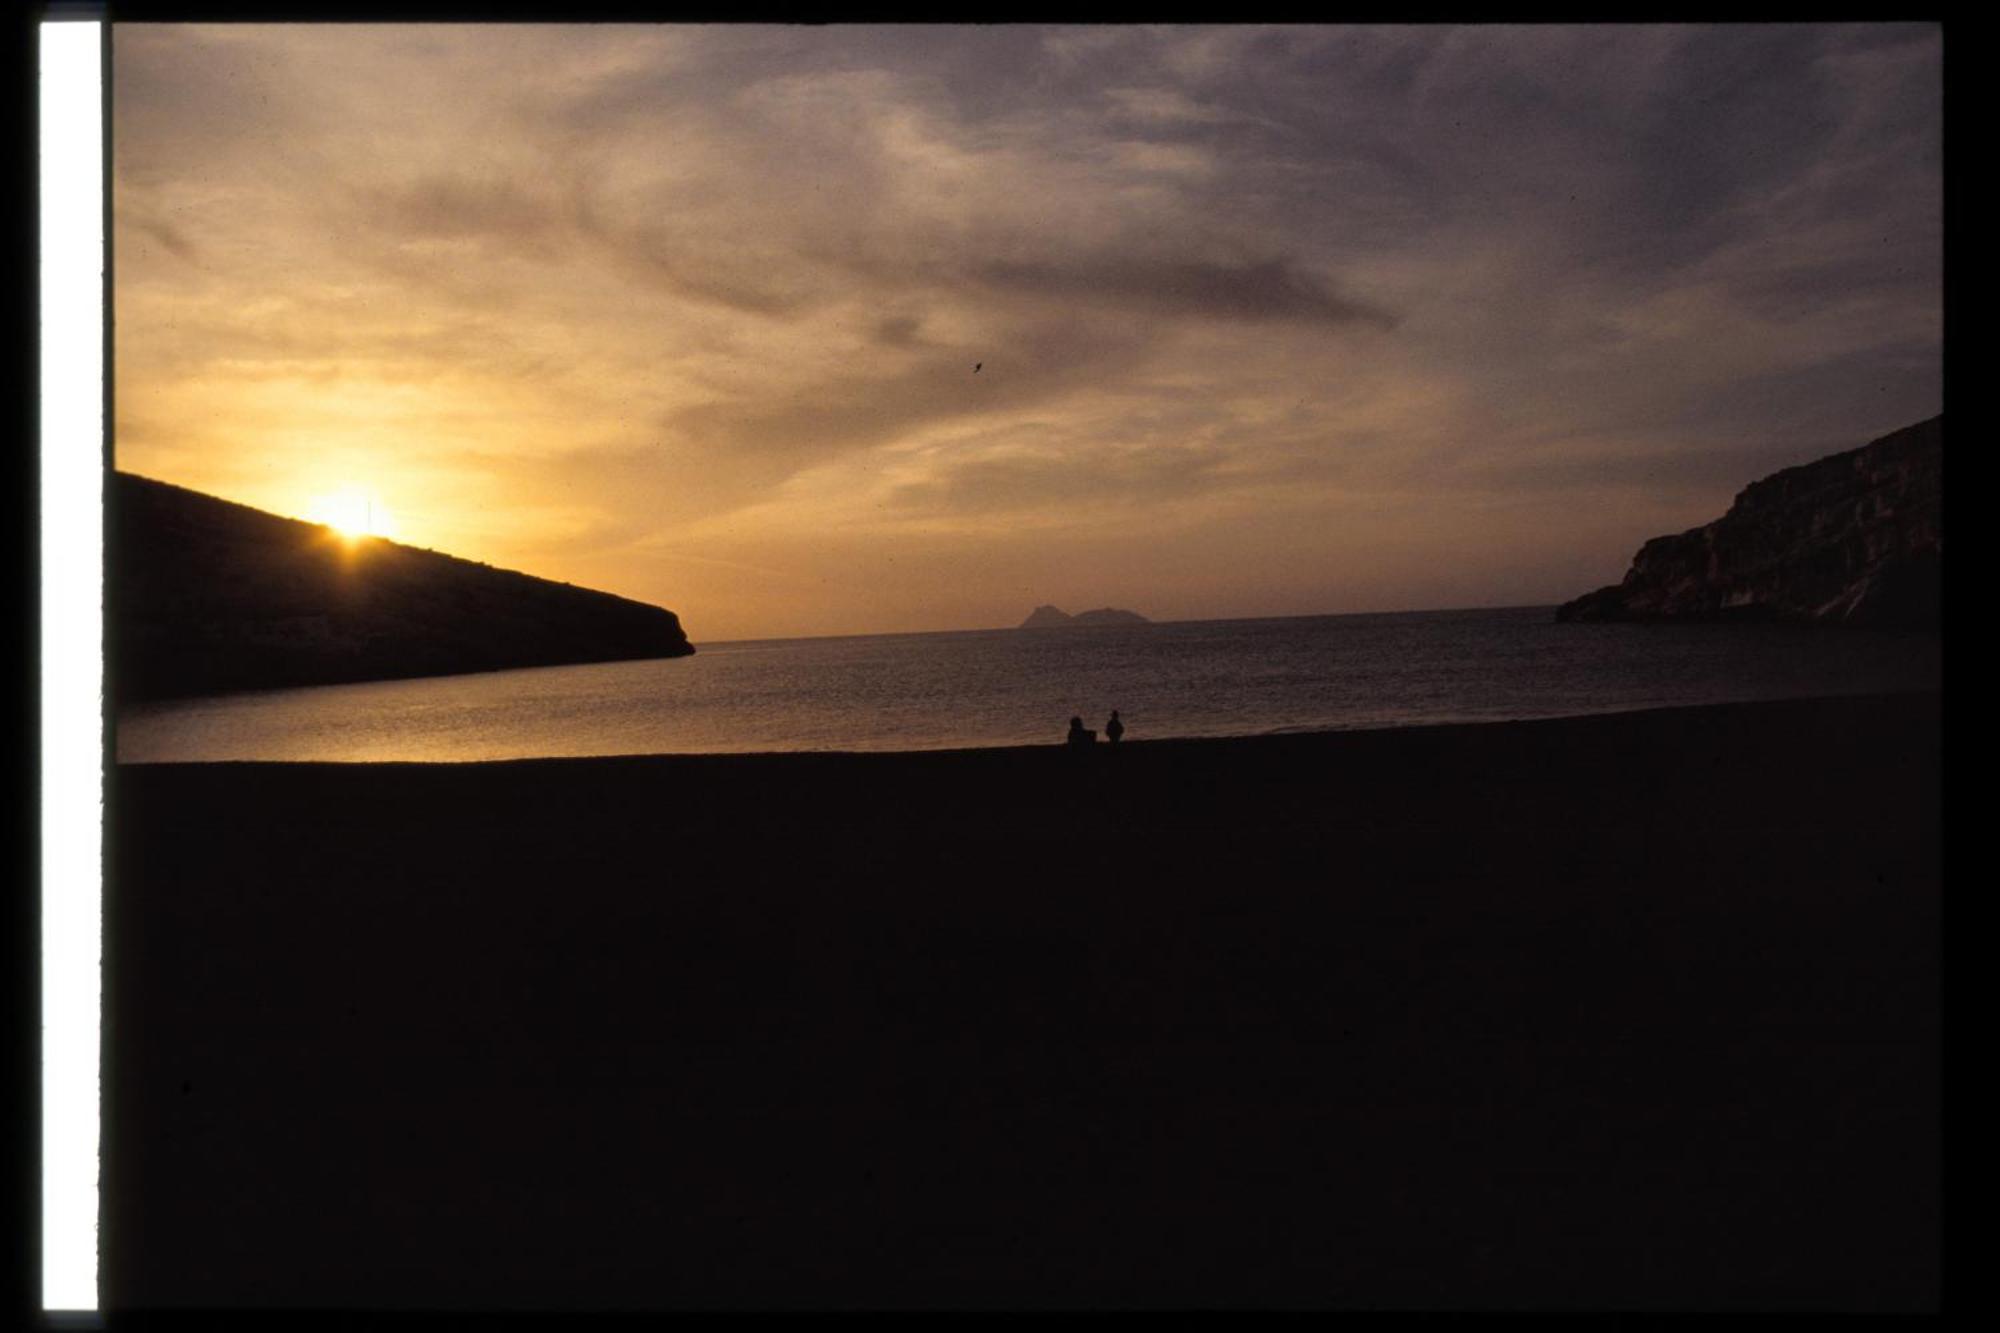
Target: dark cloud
point(898, 330)
point(1270, 289)
point(556, 218)
point(771, 434)
point(167, 236)
point(707, 273)
point(460, 206)
point(176, 86)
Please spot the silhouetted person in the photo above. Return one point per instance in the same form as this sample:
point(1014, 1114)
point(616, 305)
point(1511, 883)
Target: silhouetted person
point(1114, 728)
point(1078, 735)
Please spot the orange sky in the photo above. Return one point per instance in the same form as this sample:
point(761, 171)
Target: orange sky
point(1268, 321)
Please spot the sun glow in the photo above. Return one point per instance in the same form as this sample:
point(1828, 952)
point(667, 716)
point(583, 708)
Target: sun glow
point(353, 512)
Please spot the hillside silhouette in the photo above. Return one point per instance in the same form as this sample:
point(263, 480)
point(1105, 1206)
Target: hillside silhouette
point(1856, 538)
point(207, 596)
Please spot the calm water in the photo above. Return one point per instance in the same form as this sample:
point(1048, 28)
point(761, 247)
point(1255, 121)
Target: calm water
point(1019, 687)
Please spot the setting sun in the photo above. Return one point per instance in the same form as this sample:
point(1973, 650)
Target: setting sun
point(352, 512)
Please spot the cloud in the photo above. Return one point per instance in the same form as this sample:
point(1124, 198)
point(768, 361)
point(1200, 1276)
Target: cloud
point(898, 330)
point(756, 438)
point(731, 280)
point(166, 235)
point(1263, 289)
point(1060, 483)
point(452, 206)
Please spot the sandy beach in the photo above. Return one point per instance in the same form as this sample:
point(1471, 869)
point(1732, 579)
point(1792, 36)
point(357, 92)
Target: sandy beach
point(1636, 1012)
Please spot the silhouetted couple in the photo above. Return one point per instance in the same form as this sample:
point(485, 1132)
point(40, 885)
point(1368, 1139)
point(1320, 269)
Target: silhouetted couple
point(1081, 735)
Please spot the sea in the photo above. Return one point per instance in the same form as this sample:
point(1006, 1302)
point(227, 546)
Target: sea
point(1005, 687)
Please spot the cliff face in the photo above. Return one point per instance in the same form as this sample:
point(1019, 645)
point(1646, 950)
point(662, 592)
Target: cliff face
point(1855, 539)
point(1052, 617)
point(206, 596)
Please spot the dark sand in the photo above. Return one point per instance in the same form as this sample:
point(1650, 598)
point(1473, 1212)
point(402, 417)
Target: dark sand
point(1633, 1012)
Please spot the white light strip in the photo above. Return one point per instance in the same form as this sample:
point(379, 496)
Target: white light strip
point(72, 519)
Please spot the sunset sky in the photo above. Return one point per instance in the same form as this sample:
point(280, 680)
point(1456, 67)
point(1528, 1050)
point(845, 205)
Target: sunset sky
point(1268, 321)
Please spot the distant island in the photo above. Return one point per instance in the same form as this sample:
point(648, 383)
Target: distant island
point(207, 596)
point(1054, 617)
point(1855, 538)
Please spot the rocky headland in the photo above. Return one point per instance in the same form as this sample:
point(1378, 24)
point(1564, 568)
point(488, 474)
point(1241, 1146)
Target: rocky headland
point(1852, 539)
point(207, 596)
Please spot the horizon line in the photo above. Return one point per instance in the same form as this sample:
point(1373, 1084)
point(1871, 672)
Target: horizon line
point(1188, 620)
